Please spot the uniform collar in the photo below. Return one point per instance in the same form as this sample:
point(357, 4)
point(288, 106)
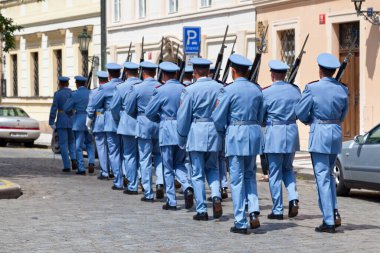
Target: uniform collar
point(204, 79)
point(278, 83)
point(240, 79)
point(82, 87)
point(171, 81)
point(132, 78)
point(149, 79)
point(328, 79)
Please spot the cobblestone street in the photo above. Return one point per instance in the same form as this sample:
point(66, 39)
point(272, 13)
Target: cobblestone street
point(70, 213)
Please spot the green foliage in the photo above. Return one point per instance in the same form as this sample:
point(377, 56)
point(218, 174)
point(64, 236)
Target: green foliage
point(7, 30)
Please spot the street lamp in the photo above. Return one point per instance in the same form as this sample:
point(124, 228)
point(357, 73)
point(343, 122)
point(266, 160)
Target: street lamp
point(84, 41)
point(370, 15)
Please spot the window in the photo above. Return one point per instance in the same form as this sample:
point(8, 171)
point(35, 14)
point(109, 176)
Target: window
point(173, 6)
point(374, 136)
point(14, 75)
point(287, 40)
point(13, 112)
point(205, 3)
point(35, 74)
point(3, 80)
point(116, 10)
point(349, 36)
point(57, 66)
point(142, 8)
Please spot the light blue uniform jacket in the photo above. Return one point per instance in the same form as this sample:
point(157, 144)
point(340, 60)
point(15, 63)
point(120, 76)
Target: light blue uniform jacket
point(60, 98)
point(163, 107)
point(96, 115)
point(239, 111)
point(126, 124)
point(326, 99)
point(281, 133)
point(135, 106)
point(102, 100)
point(194, 116)
point(77, 103)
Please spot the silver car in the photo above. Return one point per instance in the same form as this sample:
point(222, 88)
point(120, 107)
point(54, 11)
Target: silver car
point(358, 166)
point(17, 126)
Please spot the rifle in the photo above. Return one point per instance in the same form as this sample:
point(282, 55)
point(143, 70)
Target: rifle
point(297, 63)
point(253, 75)
point(89, 78)
point(182, 69)
point(129, 56)
point(142, 56)
point(218, 64)
point(126, 60)
point(179, 61)
point(228, 64)
point(159, 75)
point(343, 66)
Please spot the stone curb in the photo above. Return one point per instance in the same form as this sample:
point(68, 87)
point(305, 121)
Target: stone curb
point(9, 190)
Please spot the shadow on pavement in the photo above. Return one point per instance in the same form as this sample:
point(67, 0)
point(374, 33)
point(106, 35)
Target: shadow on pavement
point(372, 196)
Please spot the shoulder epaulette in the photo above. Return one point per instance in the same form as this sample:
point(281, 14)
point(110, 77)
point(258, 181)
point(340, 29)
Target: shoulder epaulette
point(267, 87)
point(158, 86)
point(314, 81)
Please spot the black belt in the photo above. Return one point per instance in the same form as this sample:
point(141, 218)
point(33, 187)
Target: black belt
point(80, 112)
point(327, 121)
point(280, 122)
point(244, 122)
point(203, 120)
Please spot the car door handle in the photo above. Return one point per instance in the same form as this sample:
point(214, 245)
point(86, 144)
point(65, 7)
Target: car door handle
point(347, 154)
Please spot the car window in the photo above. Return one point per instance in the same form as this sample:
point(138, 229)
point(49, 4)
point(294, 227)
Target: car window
point(12, 112)
point(374, 136)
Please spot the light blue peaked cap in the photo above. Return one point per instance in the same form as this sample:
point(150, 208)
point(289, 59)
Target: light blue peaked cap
point(200, 62)
point(63, 79)
point(130, 65)
point(102, 74)
point(80, 79)
point(148, 65)
point(113, 66)
point(328, 61)
point(168, 66)
point(238, 59)
point(189, 69)
point(276, 65)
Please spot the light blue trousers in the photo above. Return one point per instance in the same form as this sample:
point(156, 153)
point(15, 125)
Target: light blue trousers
point(204, 165)
point(145, 148)
point(113, 144)
point(223, 170)
point(323, 165)
point(243, 187)
point(130, 160)
point(157, 160)
point(101, 146)
point(173, 161)
point(66, 145)
point(81, 140)
point(89, 143)
point(281, 170)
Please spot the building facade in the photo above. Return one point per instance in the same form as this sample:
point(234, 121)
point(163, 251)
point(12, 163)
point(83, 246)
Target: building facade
point(333, 27)
point(130, 20)
point(46, 48)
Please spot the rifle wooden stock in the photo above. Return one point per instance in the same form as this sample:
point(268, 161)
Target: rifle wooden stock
point(228, 64)
point(297, 63)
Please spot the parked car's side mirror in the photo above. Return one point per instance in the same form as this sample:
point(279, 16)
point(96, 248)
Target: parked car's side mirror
point(359, 139)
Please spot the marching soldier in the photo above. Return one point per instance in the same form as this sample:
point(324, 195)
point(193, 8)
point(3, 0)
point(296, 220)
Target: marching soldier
point(239, 113)
point(146, 131)
point(281, 138)
point(98, 128)
point(188, 76)
point(63, 124)
point(324, 106)
point(77, 104)
point(163, 108)
point(127, 126)
point(196, 131)
point(102, 100)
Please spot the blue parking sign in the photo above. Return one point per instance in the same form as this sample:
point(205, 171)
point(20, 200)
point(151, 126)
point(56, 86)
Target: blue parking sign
point(191, 39)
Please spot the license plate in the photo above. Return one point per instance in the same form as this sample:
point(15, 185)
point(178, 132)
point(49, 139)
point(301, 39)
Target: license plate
point(19, 134)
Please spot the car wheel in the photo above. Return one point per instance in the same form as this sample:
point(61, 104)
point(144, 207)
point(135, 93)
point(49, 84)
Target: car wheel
point(29, 144)
point(3, 143)
point(341, 189)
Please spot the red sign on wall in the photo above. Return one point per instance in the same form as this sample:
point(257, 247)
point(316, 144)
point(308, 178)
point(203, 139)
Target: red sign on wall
point(322, 19)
